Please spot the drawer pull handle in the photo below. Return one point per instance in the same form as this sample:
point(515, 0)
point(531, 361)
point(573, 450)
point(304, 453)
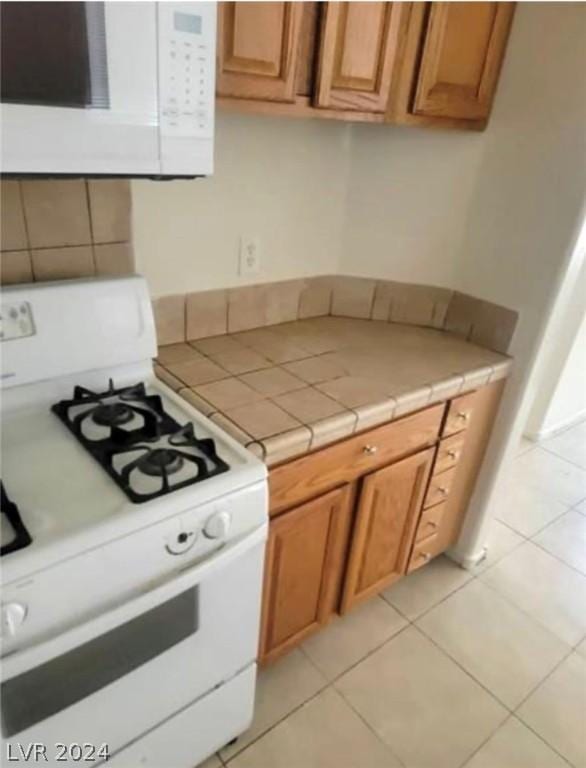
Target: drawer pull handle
point(453, 454)
point(426, 556)
point(370, 449)
point(464, 416)
point(432, 524)
point(442, 490)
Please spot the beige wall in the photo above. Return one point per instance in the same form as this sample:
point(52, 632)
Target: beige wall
point(55, 230)
point(281, 180)
point(568, 404)
point(408, 197)
point(528, 205)
point(323, 197)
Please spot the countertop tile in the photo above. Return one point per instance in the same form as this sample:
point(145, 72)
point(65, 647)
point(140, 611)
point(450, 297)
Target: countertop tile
point(308, 405)
point(194, 372)
point(315, 370)
point(286, 444)
point(228, 393)
point(353, 391)
point(262, 419)
point(177, 353)
point(333, 428)
point(340, 375)
point(272, 381)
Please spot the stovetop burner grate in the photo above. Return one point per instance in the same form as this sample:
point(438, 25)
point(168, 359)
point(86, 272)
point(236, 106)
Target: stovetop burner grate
point(22, 537)
point(143, 449)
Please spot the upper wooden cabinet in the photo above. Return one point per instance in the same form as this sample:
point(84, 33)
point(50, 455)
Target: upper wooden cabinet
point(411, 63)
point(258, 50)
point(449, 62)
point(356, 54)
point(463, 48)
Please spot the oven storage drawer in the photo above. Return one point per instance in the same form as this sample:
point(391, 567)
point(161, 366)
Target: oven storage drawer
point(210, 635)
point(220, 715)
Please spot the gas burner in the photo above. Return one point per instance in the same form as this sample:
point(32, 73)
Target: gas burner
point(160, 462)
point(112, 414)
point(17, 534)
point(142, 448)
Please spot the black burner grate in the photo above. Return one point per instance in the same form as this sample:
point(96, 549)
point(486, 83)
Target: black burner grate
point(22, 537)
point(159, 448)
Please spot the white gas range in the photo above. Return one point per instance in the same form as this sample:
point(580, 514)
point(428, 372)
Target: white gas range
point(133, 535)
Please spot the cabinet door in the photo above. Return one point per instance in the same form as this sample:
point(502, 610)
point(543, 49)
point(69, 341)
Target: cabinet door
point(464, 44)
point(303, 570)
point(257, 50)
point(357, 52)
point(388, 511)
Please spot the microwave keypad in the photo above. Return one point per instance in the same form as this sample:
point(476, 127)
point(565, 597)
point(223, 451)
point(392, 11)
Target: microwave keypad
point(186, 103)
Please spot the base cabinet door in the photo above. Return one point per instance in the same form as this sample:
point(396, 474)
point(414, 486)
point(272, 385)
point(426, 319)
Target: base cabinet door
point(303, 570)
point(388, 511)
point(463, 48)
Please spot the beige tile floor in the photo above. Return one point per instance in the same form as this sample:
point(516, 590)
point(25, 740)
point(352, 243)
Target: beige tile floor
point(449, 668)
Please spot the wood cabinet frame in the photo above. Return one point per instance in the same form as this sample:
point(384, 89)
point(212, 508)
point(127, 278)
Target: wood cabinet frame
point(382, 521)
point(242, 78)
point(407, 66)
point(335, 489)
point(406, 103)
point(332, 90)
point(333, 513)
point(432, 97)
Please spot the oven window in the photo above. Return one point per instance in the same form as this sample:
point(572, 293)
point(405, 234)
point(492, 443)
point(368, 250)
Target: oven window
point(54, 54)
point(41, 692)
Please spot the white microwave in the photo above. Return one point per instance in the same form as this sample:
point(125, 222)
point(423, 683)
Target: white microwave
point(107, 88)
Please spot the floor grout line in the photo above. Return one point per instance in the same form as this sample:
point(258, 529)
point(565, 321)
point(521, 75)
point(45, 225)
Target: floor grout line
point(557, 557)
point(518, 707)
point(563, 458)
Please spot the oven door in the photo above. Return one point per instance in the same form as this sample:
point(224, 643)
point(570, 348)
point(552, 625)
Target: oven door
point(79, 88)
point(113, 679)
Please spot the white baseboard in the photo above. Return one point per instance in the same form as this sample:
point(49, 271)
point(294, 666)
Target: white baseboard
point(469, 562)
point(543, 434)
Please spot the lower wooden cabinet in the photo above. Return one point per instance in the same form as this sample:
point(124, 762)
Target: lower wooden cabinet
point(387, 515)
point(391, 511)
point(304, 563)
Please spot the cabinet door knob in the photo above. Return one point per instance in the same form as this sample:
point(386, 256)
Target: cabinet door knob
point(453, 454)
point(442, 490)
point(370, 449)
point(432, 524)
point(464, 416)
point(426, 556)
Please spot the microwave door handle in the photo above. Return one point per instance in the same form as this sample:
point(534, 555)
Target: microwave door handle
point(35, 655)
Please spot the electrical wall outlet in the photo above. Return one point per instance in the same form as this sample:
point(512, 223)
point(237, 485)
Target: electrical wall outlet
point(249, 255)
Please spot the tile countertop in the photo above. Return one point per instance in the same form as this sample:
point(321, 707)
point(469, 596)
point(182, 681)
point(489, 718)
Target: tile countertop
point(287, 389)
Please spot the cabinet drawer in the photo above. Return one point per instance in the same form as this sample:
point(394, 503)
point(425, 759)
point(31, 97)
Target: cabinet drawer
point(448, 453)
point(439, 488)
point(424, 551)
point(459, 414)
point(343, 462)
point(430, 521)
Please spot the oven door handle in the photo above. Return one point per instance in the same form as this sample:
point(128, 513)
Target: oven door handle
point(35, 655)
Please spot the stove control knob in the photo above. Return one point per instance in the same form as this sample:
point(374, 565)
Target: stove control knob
point(217, 526)
point(13, 614)
point(179, 543)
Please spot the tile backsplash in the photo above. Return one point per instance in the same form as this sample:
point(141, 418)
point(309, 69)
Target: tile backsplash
point(60, 229)
point(193, 316)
